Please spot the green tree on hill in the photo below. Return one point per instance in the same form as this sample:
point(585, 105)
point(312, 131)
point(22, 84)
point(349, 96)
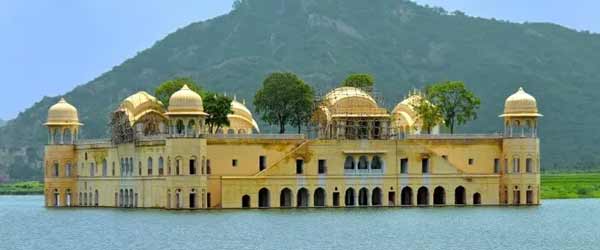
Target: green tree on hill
point(362, 81)
point(284, 99)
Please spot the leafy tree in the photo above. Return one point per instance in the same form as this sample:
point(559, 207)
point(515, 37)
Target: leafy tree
point(164, 91)
point(362, 81)
point(218, 107)
point(284, 99)
point(428, 114)
point(455, 102)
point(303, 106)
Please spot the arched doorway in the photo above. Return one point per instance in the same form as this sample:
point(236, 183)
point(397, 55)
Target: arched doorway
point(285, 198)
point(529, 197)
point(264, 199)
point(302, 199)
point(439, 196)
point(406, 196)
point(319, 197)
point(56, 197)
point(423, 196)
point(349, 197)
point(476, 199)
point(376, 197)
point(96, 198)
point(459, 196)
point(363, 197)
point(246, 201)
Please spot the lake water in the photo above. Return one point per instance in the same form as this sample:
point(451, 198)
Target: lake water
point(557, 224)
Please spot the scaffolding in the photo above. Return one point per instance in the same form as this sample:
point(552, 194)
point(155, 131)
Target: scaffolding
point(350, 113)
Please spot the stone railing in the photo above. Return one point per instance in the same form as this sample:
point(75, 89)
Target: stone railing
point(456, 136)
point(255, 136)
point(93, 141)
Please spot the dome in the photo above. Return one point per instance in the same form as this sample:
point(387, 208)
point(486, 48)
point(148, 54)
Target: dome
point(341, 93)
point(242, 113)
point(520, 104)
point(62, 113)
point(351, 101)
point(240, 109)
point(140, 104)
point(185, 102)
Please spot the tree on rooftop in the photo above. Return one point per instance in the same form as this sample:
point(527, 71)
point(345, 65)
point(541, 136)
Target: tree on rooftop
point(427, 114)
point(284, 99)
point(457, 105)
point(218, 107)
point(361, 81)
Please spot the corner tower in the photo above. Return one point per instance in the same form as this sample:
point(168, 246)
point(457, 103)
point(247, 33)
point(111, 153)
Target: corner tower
point(59, 154)
point(521, 150)
point(187, 166)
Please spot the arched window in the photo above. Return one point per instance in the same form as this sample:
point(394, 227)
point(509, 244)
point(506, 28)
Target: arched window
point(439, 196)
point(302, 199)
point(55, 170)
point(230, 131)
point(113, 168)
point(459, 196)
point(139, 168)
point(104, 168)
point(246, 201)
point(406, 196)
point(122, 167)
point(264, 199)
point(68, 169)
point(161, 166)
point(56, 137)
point(363, 162)
point(92, 170)
point(241, 131)
point(423, 196)
point(349, 197)
point(150, 163)
point(363, 197)
point(376, 163)
point(179, 127)
point(319, 197)
point(68, 136)
point(349, 163)
point(285, 198)
point(191, 128)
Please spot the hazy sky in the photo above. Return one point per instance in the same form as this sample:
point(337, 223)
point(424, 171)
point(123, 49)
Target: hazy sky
point(48, 46)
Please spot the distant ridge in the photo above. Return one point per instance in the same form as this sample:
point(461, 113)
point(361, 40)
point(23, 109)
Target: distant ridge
point(403, 44)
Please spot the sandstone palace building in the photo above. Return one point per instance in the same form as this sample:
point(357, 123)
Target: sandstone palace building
point(360, 155)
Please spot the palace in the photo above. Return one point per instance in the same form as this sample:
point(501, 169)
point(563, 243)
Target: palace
point(359, 155)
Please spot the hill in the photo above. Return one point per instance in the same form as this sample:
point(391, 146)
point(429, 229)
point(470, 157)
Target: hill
point(403, 44)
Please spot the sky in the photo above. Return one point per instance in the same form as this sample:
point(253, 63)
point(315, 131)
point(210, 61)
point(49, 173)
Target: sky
point(48, 47)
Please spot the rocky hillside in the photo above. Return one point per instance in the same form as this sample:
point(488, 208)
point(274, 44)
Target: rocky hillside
point(404, 45)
